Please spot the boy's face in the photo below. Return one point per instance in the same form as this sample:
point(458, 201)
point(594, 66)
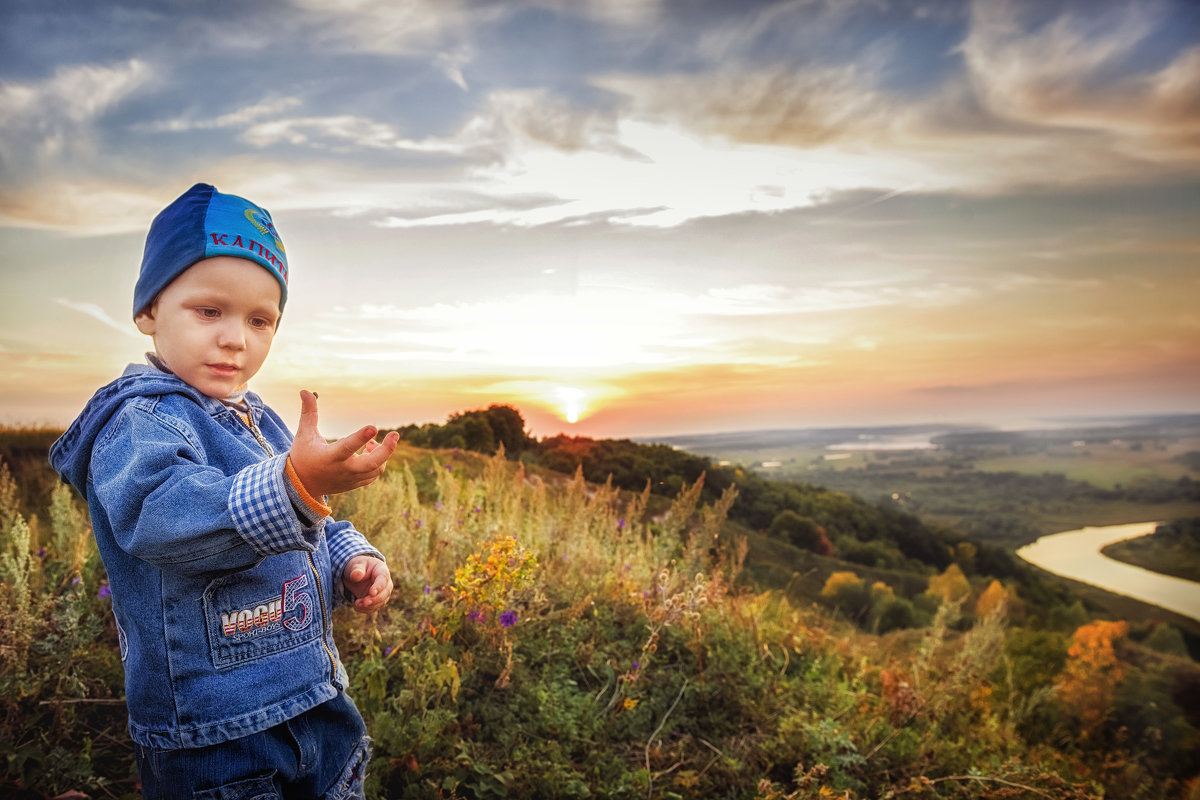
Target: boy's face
point(214, 324)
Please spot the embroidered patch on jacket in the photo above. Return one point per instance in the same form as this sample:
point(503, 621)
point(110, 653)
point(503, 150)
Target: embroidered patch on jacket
point(292, 609)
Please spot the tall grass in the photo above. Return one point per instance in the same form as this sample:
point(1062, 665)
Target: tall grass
point(553, 638)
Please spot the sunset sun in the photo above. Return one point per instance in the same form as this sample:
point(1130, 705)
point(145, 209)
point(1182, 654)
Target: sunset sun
point(570, 403)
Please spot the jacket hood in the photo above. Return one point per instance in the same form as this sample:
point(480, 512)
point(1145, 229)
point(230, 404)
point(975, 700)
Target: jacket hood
point(72, 452)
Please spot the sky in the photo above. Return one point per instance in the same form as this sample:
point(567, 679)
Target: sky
point(633, 218)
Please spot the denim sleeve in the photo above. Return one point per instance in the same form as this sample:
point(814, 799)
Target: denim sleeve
point(344, 544)
point(167, 506)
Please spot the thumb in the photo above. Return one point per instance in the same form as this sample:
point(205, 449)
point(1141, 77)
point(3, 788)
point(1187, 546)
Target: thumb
point(308, 412)
point(358, 571)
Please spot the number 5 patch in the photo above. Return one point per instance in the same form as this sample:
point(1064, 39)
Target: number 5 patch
point(240, 631)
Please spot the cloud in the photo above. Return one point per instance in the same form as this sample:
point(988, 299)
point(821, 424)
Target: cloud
point(778, 105)
point(413, 27)
point(45, 123)
point(240, 118)
point(96, 312)
point(345, 132)
point(1081, 71)
point(86, 205)
point(629, 13)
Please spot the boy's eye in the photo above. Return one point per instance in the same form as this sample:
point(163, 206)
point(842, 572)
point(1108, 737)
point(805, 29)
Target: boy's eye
point(208, 313)
point(261, 323)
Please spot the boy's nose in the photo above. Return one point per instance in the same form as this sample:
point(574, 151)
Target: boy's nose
point(232, 337)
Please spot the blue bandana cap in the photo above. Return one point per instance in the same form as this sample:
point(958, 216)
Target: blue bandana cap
point(202, 223)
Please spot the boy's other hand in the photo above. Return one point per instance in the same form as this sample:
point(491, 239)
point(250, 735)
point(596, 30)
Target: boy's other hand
point(331, 468)
point(370, 581)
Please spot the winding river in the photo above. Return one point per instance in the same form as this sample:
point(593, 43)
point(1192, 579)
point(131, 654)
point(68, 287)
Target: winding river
point(1076, 555)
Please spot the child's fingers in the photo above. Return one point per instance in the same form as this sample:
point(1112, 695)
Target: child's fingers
point(351, 444)
point(381, 584)
point(308, 412)
point(384, 450)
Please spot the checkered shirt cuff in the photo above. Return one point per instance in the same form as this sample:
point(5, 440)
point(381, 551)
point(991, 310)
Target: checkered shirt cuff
point(263, 512)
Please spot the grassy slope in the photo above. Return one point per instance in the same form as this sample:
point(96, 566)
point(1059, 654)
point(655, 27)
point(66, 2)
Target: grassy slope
point(625, 674)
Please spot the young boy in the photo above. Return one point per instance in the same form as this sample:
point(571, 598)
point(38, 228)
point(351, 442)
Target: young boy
point(223, 562)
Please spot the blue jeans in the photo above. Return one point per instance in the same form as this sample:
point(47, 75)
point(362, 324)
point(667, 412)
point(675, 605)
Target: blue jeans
point(321, 754)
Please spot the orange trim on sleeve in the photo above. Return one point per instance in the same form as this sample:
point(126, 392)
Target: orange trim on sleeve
point(316, 505)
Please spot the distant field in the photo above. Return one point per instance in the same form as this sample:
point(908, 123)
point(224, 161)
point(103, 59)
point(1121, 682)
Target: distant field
point(1104, 465)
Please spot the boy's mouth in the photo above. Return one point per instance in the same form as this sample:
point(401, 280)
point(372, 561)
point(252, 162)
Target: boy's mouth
point(224, 369)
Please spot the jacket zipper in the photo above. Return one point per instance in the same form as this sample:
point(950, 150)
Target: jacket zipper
point(249, 420)
point(321, 598)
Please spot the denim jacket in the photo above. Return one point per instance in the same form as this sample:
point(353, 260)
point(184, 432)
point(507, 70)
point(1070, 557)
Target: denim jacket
point(222, 580)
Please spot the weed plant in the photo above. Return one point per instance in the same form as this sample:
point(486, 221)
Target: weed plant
point(549, 637)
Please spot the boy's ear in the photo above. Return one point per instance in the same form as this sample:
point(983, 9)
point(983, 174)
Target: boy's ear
point(145, 321)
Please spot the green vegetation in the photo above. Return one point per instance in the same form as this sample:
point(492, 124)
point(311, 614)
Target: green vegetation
point(1001, 487)
point(1173, 549)
point(483, 431)
point(555, 637)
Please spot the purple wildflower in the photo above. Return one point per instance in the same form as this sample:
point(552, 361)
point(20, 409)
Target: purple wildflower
point(478, 509)
point(76, 580)
point(389, 651)
point(620, 523)
point(449, 468)
point(427, 588)
point(419, 523)
point(41, 553)
point(636, 665)
point(508, 619)
point(105, 591)
point(437, 506)
point(475, 616)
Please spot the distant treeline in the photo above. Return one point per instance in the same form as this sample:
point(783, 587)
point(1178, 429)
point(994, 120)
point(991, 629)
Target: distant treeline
point(1000, 507)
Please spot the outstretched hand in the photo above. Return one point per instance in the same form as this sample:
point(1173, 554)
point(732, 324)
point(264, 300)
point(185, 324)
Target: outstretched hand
point(370, 581)
point(334, 467)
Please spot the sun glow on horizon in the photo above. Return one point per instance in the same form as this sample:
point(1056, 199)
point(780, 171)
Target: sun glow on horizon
point(571, 402)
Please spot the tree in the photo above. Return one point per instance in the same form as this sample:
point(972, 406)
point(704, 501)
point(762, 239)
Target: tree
point(951, 585)
point(1092, 674)
point(508, 427)
point(802, 532)
point(849, 593)
point(994, 598)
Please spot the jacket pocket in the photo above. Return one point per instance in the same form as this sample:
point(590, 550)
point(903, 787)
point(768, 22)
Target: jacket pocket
point(250, 789)
point(249, 616)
